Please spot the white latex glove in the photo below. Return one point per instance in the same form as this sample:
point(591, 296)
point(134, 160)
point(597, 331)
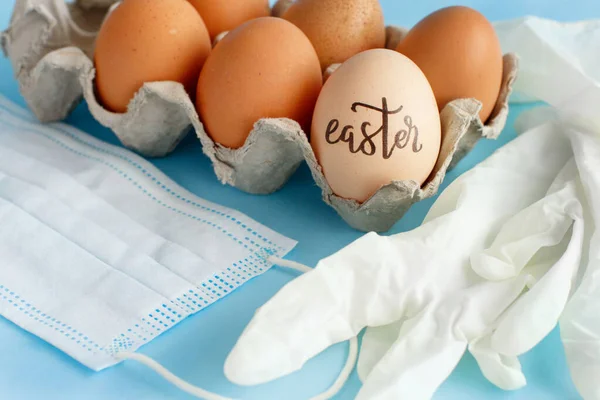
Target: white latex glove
point(580, 323)
point(528, 250)
point(422, 281)
point(559, 62)
point(560, 65)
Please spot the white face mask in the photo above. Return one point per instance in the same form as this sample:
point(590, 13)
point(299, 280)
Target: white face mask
point(100, 252)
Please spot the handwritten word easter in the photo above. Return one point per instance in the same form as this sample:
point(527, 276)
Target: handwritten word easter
point(366, 144)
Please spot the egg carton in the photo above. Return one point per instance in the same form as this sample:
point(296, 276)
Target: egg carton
point(50, 44)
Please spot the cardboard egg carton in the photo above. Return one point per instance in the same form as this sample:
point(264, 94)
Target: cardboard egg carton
point(50, 44)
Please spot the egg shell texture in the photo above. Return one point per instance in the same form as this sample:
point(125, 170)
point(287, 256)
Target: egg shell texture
point(54, 73)
point(339, 29)
point(459, 52)
point(225, 15)
point(148, 41)
point(250, 75)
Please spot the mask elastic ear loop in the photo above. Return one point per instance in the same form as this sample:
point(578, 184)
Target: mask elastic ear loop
point(204, 394)
point(344, 374)
point(170, 377)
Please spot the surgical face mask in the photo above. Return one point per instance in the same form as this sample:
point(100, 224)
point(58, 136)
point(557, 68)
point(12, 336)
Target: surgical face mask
point(100, 252)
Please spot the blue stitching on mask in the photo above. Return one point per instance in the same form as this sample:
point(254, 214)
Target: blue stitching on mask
point(162, 318)
point(37, 315)
point(214, 288)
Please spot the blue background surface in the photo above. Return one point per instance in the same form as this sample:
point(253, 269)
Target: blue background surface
point(196, 349)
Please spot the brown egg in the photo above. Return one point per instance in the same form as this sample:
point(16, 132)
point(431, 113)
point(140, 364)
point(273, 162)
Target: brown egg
point(265, 68)
point(459, 52)
point(147, 41)
point(225, 15)
point(376, 121)
point(339, 29)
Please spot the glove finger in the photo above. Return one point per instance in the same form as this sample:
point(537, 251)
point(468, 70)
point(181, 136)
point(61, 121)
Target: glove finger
point(375, 344)
point(431, 344)
point(533, 316)
point(543, 224)
point(417, 363)
point(503, 371)
point(334, 302)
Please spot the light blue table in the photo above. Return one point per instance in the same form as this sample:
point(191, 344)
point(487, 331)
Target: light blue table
point(196, 349)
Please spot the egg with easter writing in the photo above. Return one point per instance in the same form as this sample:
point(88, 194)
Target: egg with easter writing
point(376, 121)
